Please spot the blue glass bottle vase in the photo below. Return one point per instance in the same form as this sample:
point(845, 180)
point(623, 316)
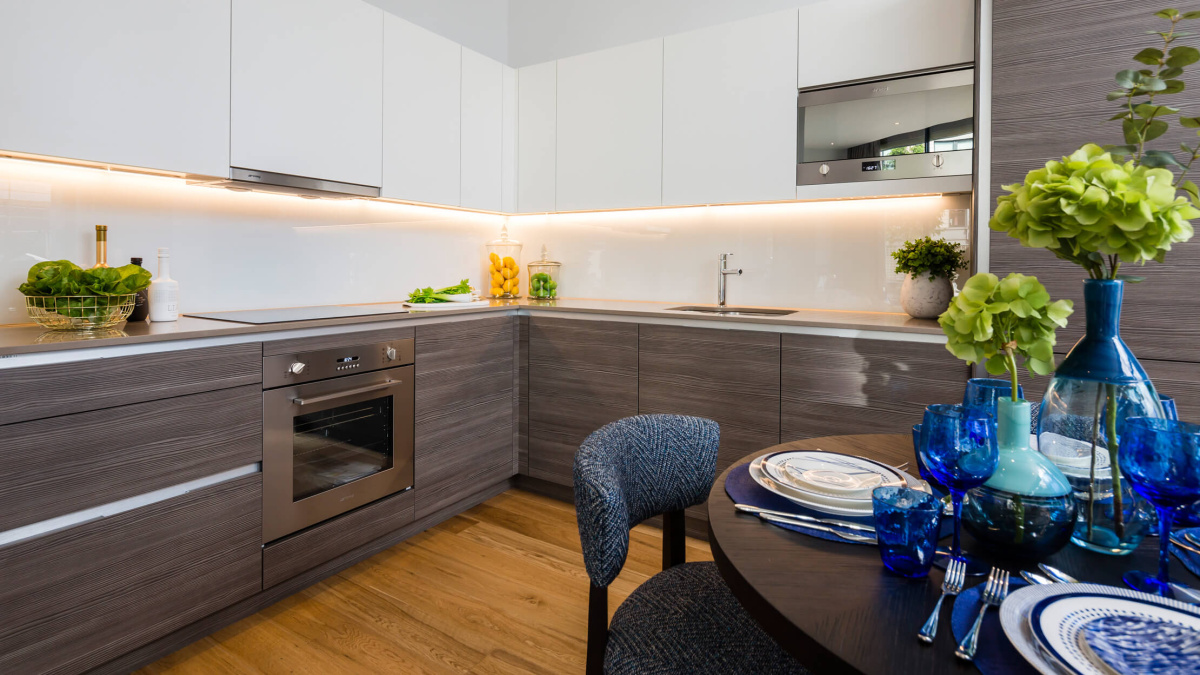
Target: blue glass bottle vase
point(1027, 508)
point(1097, 387)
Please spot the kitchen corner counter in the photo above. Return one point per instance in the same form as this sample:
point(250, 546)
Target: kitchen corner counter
point(20, 339)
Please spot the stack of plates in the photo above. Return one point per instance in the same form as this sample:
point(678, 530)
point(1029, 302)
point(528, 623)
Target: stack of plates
point(826, 481)
point(1086, 629)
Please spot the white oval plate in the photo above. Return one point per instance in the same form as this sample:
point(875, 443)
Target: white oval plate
point(820, 503)
point(848, 482)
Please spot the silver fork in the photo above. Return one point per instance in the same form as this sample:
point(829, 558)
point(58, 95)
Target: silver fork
point(952, 584)
point(993, 594)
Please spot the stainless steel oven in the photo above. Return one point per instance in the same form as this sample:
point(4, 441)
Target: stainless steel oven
point(917, 126)
point(337, 432)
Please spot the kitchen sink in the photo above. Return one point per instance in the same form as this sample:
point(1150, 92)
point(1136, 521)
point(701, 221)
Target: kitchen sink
point(733, 311)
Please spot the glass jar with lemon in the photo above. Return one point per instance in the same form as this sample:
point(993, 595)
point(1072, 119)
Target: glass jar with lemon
point(504, 266)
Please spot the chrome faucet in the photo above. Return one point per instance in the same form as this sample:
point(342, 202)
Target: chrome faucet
point(722, 272)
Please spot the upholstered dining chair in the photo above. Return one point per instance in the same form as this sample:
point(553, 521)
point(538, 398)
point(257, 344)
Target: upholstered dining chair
point(683, 619)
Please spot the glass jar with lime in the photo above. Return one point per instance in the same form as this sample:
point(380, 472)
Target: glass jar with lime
point(543, 277)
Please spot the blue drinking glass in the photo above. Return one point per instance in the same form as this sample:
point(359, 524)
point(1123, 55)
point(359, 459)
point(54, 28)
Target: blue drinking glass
point(907, 524)
point(958, 446)
point(982, 393)
point(1161, 460)
point(921, 468)
point(1169, 409)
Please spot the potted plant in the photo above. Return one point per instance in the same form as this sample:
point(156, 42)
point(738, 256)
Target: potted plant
point(929, 266)
point(1101, 208)
point(1027, 507)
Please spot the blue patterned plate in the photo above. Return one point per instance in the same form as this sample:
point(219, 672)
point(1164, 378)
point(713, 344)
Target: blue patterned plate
point(1059, 625)
point(1139, 644)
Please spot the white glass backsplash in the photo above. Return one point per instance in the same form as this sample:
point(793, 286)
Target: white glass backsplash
point(246, 250)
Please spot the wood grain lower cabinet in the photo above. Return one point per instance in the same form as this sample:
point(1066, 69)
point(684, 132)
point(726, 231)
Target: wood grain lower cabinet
point(730, 376)
point(464, 410)
point(582, 375)
point(76, 598)
point(832, 386)
point(52, 467)
point(305, 550)
point(35, 392)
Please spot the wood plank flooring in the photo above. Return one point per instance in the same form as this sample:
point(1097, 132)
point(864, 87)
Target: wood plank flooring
point(500, 589)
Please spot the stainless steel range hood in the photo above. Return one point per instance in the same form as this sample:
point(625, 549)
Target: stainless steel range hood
point(252, 180)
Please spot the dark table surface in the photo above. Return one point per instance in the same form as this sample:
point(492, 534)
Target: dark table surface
point(835, 607)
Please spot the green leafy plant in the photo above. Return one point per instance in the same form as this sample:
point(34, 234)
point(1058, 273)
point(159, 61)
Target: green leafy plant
point(993, 321)
point(938, 257)
point(429, 295)
point(63, 277)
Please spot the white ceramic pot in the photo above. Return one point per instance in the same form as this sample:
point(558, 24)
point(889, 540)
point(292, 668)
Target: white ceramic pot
point(925, 299)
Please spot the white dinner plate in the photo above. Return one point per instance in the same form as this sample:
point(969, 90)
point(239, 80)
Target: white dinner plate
point(817, 501)
point(1062, 625)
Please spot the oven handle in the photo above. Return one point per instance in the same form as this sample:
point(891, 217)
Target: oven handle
point(343, 394)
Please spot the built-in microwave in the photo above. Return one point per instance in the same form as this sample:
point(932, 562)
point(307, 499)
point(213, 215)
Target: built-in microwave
point(916, 129)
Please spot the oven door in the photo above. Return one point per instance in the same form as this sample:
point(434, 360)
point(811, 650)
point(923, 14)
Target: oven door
point(334, 445)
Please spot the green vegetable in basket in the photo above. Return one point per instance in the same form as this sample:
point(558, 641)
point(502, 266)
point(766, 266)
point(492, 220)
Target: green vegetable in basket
point(63, 277)
point(429, 295)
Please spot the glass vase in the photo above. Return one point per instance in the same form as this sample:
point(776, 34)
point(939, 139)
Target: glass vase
point(1027, 508)
point(1097, 387)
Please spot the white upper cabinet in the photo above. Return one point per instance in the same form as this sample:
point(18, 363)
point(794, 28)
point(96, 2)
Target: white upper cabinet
point(422, 114)
point(843, 40)
point(610, 128)
point(508, 145)
point(536, 137)
point(307, 94)
point(482, 132)
point(729, 112)
point(141, 83)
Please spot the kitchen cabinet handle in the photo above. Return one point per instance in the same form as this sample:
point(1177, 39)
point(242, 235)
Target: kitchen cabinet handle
point(343, 394)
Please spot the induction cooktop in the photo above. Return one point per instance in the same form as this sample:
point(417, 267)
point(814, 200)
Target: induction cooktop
point(288, 314)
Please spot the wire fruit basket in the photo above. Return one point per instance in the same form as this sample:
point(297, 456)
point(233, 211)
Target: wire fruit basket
point(79, 312)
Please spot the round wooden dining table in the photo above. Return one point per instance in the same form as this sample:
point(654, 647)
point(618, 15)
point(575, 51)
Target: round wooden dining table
point(835, 607)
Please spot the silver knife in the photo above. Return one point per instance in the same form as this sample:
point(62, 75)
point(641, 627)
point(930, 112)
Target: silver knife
point(848, 536)
point(746, 508)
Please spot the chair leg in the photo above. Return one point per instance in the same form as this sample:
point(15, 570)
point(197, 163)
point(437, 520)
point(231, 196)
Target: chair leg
point(597, 627)
point(674, 544)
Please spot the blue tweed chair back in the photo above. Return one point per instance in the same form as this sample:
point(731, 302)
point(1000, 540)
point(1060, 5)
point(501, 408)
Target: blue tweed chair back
point(634, 469)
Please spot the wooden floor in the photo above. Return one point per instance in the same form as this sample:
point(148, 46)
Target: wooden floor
point(498, 589)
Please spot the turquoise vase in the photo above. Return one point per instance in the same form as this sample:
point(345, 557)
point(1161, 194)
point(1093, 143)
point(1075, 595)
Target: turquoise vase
point(1098, 386)
point(1026, 509)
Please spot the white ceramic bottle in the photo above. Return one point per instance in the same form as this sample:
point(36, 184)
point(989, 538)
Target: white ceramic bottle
point(164, 291)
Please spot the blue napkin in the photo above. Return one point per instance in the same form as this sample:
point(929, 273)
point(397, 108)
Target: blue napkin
point(1190, 560)
point(996, 655)
point(742, 489)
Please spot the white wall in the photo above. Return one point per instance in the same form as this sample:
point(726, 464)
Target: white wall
point(544, 30)
point(481, 25)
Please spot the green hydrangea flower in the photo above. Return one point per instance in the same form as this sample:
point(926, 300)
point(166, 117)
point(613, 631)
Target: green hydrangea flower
point(992, 321)
point(1089, 204)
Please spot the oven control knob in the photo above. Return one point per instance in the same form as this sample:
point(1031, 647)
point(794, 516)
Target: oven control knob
point(389, 353)
point(938, 161)
point(296, 368)
point(824, 169)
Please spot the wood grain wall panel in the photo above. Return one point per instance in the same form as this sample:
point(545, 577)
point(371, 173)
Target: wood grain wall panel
point(335, 340)
point(35, 392)
point(833, 386)
point(730, 376)
point(304, 550)
point(76, 598)
point(51, 467)
point(522, 389)
point(464, 409)
point(1053, 63)
point(582, 375)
